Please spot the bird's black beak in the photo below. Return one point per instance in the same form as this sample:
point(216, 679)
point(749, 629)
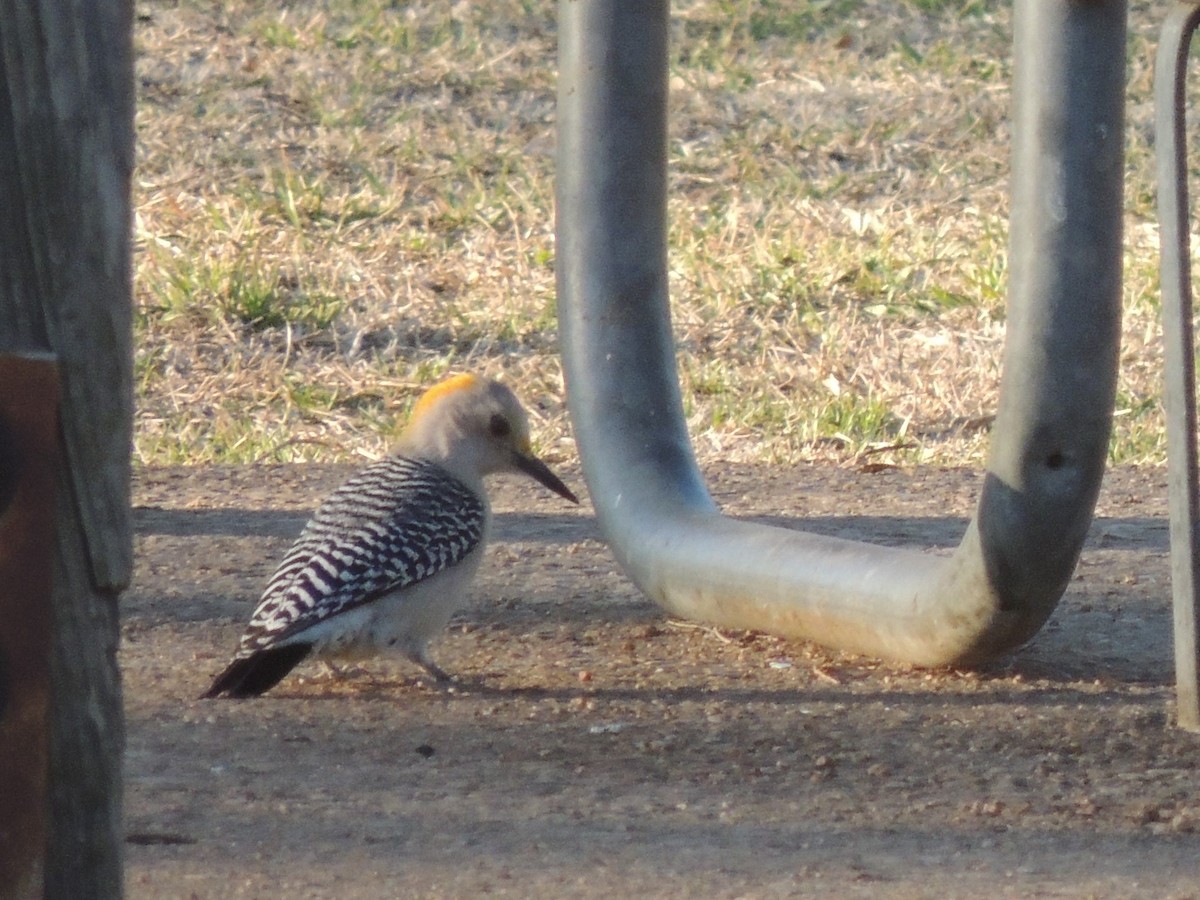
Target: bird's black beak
point(535, 468)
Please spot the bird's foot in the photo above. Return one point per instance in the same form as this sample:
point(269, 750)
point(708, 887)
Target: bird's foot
point(334, 672)
point(450, 684)
point(440, 675)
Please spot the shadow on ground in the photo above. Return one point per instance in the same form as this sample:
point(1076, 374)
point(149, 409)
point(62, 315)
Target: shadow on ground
point(595, 747)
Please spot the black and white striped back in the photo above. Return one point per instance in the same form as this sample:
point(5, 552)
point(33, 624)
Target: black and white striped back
point(396, 523)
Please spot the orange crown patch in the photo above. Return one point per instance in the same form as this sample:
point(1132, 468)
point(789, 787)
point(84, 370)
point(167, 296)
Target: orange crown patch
point(450, 386)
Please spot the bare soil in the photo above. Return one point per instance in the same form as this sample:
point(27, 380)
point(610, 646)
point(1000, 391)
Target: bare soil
point(598, 749)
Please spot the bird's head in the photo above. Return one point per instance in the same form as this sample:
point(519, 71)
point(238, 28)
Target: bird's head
point(476, 426)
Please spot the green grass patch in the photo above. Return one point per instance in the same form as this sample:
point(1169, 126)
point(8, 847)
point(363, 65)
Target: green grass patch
point(339, 201)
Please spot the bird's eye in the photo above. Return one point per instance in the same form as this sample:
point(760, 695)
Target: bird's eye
point(499, 426)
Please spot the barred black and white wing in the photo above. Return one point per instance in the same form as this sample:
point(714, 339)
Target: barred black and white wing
point(395, 524)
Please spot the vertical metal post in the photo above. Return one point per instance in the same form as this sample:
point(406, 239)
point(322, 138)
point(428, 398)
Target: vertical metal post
point(1059, 380)
point(1179, 351)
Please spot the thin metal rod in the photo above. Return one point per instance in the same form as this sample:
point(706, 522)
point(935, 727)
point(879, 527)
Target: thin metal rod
point(1170, 80)
point(1057, 389)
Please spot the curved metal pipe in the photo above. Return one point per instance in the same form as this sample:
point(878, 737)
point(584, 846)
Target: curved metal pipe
point(1057, 389)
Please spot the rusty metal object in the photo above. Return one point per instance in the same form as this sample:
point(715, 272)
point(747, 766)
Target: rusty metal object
point(28, 462)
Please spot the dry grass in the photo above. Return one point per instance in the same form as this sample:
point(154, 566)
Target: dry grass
point(339, 201)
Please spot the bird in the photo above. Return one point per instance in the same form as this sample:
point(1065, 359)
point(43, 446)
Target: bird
point(386, 559)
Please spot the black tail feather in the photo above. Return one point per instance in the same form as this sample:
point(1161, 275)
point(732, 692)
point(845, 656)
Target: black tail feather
point(249, 676)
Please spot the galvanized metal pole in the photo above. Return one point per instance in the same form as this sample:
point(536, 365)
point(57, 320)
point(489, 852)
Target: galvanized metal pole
point(1179, 352)
point(1058, 384)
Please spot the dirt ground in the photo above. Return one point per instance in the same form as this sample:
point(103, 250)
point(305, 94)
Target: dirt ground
point(606, 751)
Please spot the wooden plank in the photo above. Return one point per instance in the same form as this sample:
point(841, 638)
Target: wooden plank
point(28, 476)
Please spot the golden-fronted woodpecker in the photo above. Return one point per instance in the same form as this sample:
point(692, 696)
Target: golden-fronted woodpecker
point(386, 560)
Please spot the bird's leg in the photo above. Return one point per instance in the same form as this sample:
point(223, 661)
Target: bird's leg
point(440, 675)
point(329, 670)
point(334, 672)
point(443, 680)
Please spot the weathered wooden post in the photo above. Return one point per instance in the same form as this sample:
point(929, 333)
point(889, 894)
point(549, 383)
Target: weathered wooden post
point(66, 158)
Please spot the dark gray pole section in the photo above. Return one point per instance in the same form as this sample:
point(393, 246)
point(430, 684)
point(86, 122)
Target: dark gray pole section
point(1058, 386)
point(1179, 351)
